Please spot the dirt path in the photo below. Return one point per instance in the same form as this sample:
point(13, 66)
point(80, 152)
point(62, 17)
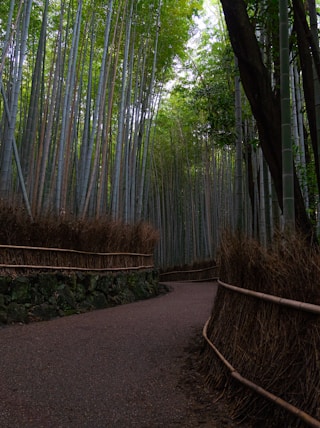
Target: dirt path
point(116, 367)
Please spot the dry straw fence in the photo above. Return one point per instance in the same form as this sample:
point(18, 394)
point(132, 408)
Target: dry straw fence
point(203, 274)
point(314, 309)
point(16, 259)
point(66, 243)
point(61, 266)
point(274, 342)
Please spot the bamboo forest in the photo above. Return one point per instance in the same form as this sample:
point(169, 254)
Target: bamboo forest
point(194, 116)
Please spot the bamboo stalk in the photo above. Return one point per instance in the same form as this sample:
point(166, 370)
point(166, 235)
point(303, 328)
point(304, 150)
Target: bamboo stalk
point(295, 304)
point(309, 420)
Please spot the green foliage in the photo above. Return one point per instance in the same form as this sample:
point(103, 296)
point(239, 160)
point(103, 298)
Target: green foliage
point(176, 22)
point(201, 102)
point(64, 99)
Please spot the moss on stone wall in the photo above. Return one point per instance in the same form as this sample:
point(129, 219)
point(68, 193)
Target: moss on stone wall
point(48, 295)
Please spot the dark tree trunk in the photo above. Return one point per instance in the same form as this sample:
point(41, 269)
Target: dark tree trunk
point(264, 101)
point(306, 64)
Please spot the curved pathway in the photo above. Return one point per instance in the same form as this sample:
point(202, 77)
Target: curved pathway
point(116, 367)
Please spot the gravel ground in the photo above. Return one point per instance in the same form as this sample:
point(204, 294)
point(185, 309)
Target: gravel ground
point(128, 366)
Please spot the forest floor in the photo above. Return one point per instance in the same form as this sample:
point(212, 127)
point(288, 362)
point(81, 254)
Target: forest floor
point(207, 409)
point(134, 365)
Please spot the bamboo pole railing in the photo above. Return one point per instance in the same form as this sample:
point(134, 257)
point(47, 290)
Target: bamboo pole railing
point(75, 268)
point(172, 275)
point(294, 304)
point(37, 258)
point(66, 250)
point(188, 271)
point(309, 420)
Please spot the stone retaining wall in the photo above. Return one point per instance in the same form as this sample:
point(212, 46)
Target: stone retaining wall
point(44, 296)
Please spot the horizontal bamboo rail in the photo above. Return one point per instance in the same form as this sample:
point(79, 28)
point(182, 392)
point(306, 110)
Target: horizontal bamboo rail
point(188, 271)
point(309, 420)
point(63, 259)
point(65, 250)
point(295, 304)
point(74, 268)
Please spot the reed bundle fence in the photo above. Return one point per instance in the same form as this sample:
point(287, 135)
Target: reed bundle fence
point(190, 274)
point(24, 258)
point(294, 304)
